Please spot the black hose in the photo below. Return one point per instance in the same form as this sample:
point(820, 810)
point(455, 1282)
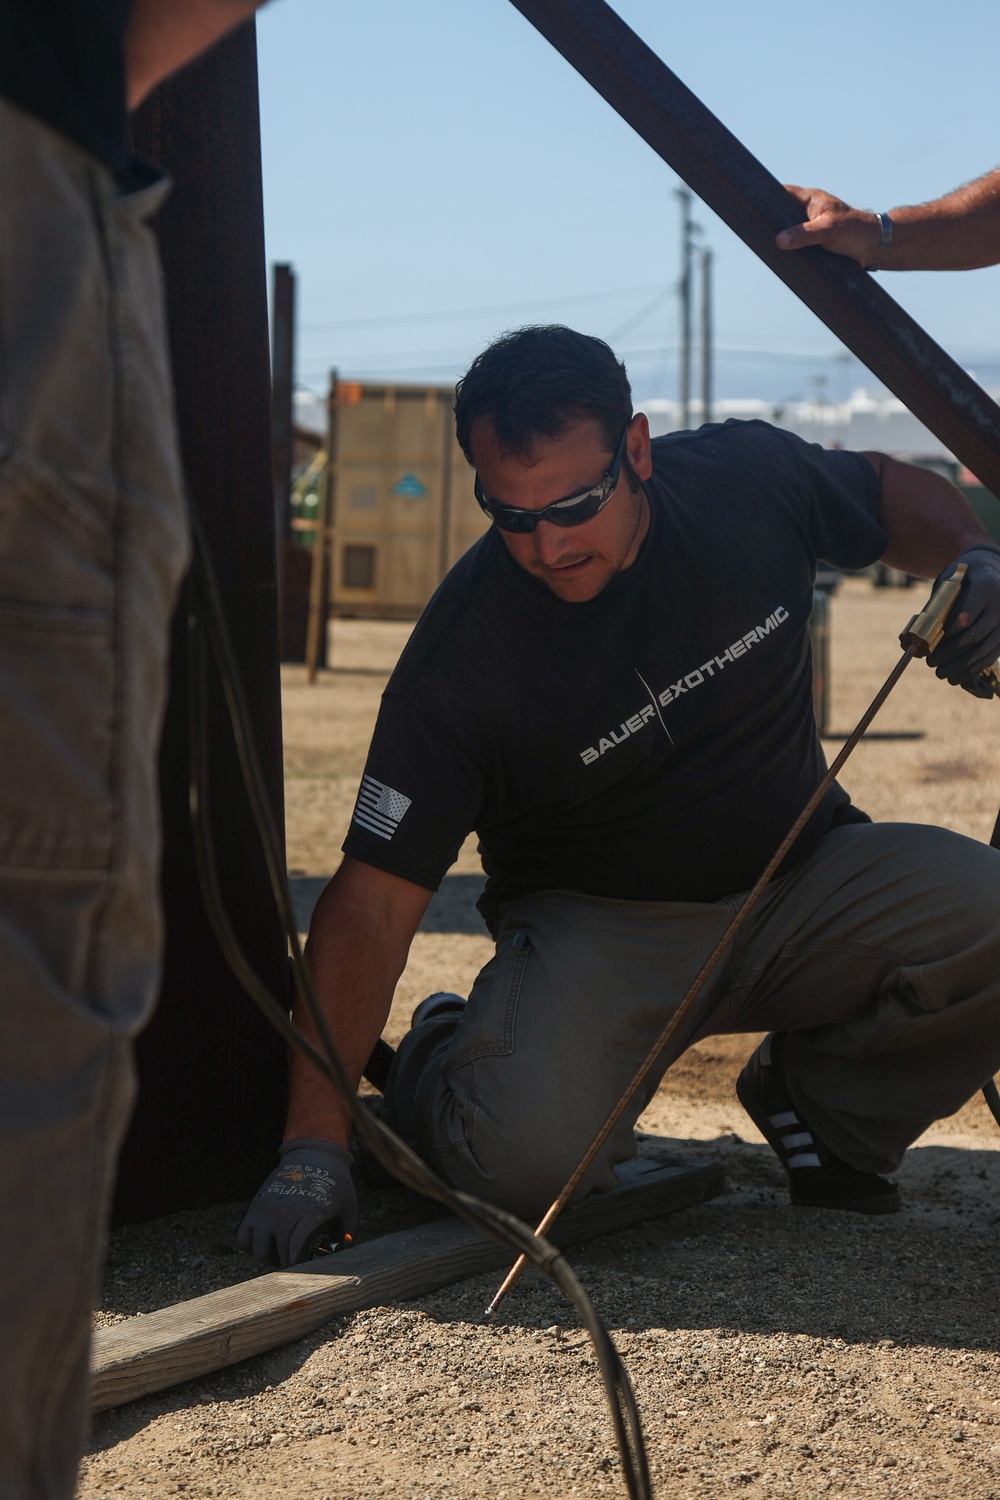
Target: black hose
point(206, 619)
point(992, 1096)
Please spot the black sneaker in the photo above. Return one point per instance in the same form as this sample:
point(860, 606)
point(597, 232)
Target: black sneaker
point(441, 1003)
point(816, 1178)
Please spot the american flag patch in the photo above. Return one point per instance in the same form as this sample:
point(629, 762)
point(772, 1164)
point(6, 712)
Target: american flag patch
point(379, 808)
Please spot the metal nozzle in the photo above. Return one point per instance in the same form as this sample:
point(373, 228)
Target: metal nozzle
point(926, 629)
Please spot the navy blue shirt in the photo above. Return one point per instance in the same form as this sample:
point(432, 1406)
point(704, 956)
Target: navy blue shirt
point(63, 60)
point(653, 743)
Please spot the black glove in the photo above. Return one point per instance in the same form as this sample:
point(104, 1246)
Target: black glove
point(308, 1196)
point(966, 649)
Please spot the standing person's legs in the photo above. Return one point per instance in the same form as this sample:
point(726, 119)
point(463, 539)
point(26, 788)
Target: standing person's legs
point(92, 545)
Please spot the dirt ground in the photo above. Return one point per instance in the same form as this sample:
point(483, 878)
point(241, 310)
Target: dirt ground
point(775, 1352)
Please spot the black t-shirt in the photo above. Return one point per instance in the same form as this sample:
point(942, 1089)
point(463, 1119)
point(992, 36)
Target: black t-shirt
point(653, 743)
point(63, 60)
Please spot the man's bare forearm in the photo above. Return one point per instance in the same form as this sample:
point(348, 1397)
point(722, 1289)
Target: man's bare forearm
point(359, 939)
point(928, 521)
point(164, 35)
point(959, 232)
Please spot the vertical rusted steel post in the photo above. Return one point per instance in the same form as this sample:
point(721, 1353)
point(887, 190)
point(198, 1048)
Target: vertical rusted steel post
point(282, 364)
point(212, 1072)
point(324, 554)
point(726, 176)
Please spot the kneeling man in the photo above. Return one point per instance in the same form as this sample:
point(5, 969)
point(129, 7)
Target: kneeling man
point(613, 688)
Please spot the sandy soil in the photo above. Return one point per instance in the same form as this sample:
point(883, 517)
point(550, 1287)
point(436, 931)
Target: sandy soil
point(775, 1352)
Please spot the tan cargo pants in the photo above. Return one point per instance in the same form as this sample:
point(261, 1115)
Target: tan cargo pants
point(879, 955)
point(92, 546)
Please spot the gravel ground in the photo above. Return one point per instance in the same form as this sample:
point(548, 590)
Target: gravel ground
point(775, 1352)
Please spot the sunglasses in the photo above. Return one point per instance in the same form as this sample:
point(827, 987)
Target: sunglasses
point(573, 511)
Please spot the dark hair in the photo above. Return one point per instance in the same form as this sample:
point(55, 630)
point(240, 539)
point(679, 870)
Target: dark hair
point(534, 382)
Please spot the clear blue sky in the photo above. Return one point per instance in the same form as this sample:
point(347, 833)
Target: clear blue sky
point(434, 164)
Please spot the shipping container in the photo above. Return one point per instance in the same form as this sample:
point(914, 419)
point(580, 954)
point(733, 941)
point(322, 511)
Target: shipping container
point(403, 504)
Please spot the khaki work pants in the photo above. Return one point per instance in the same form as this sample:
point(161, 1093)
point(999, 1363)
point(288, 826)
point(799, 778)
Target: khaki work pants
point(879, 956)
point(92, 546)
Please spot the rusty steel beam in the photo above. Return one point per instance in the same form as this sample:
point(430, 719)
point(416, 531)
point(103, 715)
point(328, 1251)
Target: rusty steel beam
point(726, 176)
point(211, 1070)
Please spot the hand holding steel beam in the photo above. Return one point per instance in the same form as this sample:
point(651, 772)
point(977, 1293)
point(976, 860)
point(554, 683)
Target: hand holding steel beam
point(675, 123)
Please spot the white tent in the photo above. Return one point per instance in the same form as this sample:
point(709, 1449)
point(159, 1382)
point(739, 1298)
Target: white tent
point(863, 421)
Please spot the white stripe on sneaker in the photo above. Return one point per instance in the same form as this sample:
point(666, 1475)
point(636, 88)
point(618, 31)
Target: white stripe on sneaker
point(791, 1141)
point(805, 1159)
point(788, 1118)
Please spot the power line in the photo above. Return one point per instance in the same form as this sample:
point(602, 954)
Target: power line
point(637, 318)
point(397, 319)
point(632, 356)
point(763, 356)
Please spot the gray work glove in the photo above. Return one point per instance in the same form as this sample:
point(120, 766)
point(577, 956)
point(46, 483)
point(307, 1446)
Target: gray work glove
point(966, 649)
point(308, 1196)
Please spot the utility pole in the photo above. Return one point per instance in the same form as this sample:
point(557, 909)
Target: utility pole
point(706, 336)
point(684, 198)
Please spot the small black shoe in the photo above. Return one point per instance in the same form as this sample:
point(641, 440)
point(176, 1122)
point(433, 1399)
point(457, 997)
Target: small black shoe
point(441, 1003)
point(816, 1177)
point(376, 1069)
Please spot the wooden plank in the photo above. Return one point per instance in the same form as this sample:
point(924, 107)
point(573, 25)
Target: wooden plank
point(207, 1333)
